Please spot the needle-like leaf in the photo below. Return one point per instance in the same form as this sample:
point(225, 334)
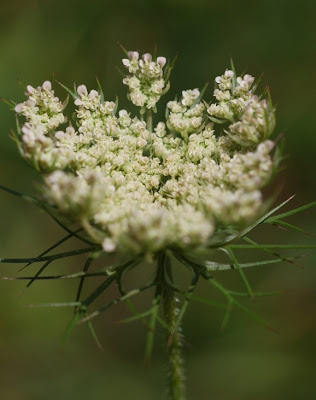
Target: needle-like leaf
point(291, 212)
point(46, 258)
point(232, 256)
point(152, 325)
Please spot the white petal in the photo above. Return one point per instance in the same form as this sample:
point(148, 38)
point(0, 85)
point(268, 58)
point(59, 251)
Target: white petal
point(29, 90)
point(229, 73)
point(161, 61)
point(47, 85)
point(93, 94)
point(126, 62)
point(82, 90)
point(18, 108)
point(147, 57)
point(133, 55)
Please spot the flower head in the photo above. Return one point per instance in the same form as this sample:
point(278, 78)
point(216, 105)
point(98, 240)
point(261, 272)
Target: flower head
point(146, 81)
point(143, 189)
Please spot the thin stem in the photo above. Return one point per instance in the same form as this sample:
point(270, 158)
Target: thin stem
point(176, 387)
point(273, 246)
point(54, 246)
point(46, 258)
point(149, 120)
point(44, 207)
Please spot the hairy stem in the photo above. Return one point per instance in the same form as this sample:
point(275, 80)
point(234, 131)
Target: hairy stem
point(176, 387)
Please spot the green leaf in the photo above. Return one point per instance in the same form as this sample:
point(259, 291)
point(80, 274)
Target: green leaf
point(98, 291)
point(256, 294)
point(217, 121)
point(69, 276)
point(123, 49)
point(85, 270)
point(279, 256)
point(264, 217)
point(100, 90)
point(94, 336)
point(211, 303)
point(169, 67)
point(45, 207)
point(136, 317)
point(64, 304)
point(143, 320)
point(155, 52)
point(291, 212)
point(230, 298)
point(121, 270)
point(211, 266)
point(9, 103)
point(234, 80)
point(131, 293)
point(72, 94)
point(69, 329)
point(21, 195)
point(165, 90)
point(232, 256)
point(283, 224)
point(46, 258)
point(256, 84)
point(188, 295)
point(23, 86)
point(254, 316)
point(38, 273)
point(227, 315)
point(54, 246)
point(198, 99)
point(273, 246)
point(116, 105)
point(58, 222)
point(151, 329)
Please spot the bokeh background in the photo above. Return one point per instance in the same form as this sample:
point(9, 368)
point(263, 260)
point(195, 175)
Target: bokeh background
point(78, 40)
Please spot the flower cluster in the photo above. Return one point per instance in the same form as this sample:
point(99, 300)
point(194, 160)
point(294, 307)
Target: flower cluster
point(44, 113)
point(252, 120)
point(146, 82)
point(186, 117)
point(142, 190)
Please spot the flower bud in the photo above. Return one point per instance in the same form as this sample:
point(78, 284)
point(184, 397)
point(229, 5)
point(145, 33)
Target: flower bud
point(93, 94)
point(161, 61)
point(47, 85)
point(108, 245)
point(249, 79)
point(147, 57)
point(19, 107)
point(133, 55)
point(82, 90)
point(126, 62)
point(229, 73)
point(123, 113)
point(59, 135)
point(30, 102)
point(29, 90)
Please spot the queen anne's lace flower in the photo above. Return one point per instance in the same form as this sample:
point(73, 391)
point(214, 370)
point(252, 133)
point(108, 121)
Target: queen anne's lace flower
point(142, 189)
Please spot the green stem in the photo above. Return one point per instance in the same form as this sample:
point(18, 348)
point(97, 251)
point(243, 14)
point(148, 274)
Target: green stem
point(47, 258)
point(176, 387)
point(149, 120)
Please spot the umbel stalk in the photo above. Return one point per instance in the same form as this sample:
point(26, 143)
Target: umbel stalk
point(175, 383)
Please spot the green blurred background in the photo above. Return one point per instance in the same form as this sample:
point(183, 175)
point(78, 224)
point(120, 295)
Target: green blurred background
point(78, 40)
